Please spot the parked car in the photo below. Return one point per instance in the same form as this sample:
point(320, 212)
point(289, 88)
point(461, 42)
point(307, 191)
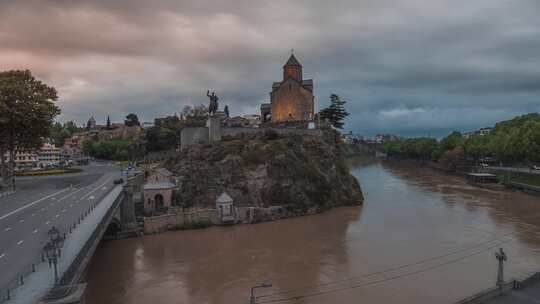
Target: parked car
point(535, 167)
point(483, 165)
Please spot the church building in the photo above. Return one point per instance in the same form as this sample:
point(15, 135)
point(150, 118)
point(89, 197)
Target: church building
point(292, 99)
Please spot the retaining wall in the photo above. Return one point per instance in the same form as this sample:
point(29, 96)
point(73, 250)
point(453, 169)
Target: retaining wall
point(200, 135)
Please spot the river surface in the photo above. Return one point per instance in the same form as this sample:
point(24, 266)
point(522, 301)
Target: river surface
point(420, 237)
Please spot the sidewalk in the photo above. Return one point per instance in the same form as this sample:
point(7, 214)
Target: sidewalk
point(527, 295)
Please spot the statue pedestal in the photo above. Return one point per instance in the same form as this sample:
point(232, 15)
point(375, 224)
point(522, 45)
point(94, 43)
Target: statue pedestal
point(214, 129)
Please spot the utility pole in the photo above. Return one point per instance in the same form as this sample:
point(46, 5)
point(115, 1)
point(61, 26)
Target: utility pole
point(501, 257)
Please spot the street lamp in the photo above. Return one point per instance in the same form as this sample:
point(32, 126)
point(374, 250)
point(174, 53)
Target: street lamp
point(52, 249)
point(53, 233)
point(51, 253)
point(265, 284)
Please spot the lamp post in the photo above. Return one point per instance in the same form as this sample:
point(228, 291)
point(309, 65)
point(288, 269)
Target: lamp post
point(53, 249)
point(53, 233)
point(265, 284)
point(501, 258)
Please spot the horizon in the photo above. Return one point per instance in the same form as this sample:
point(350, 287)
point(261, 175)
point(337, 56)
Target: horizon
point(408, 68)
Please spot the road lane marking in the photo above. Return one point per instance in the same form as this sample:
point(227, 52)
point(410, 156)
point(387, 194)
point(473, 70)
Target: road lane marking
point(2, 255)
point(30, 204)
point(7, 229)
point(33, 214)
point(64, 210)
point(35, 231)
point(47, 222)
point(91, 197)
point(53, 198)
point(21, 221)
point(57, 215)
point(104, 188)
point(20, 242)
point(95, 189)
point(70, 205)
point(68, 195)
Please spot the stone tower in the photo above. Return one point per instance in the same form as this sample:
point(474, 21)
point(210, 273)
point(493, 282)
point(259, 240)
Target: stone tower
point(292, 99)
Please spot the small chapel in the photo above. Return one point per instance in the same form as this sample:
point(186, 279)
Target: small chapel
point(292, 98)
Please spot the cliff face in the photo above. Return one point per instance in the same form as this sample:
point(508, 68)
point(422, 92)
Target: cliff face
point(298, 172)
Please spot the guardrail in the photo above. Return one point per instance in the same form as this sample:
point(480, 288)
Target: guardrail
point(69, 275)
point(491, 293)
point(6, 292)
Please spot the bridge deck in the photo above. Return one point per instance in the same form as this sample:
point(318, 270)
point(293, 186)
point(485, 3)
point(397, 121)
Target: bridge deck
point(39, 283)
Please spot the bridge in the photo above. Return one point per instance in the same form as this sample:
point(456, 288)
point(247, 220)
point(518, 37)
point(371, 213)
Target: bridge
point(82, 215)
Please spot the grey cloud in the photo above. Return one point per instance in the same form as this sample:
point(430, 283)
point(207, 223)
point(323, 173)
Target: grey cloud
point(433, 65)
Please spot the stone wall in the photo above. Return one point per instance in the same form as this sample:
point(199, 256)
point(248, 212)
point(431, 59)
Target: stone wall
point(291, 101)
point(172, 220)
point(200, 135)
point(193, 135)
point(244, 215)
point(282, 131)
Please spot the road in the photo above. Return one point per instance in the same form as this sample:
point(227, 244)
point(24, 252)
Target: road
point(41, 203)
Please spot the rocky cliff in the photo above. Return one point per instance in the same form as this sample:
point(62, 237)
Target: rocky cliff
point(298, 172)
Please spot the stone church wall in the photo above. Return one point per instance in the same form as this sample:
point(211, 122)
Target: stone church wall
point(291, 102)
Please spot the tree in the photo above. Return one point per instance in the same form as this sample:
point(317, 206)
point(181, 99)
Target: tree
point(335, 113)
point(453, 158)
point(132, 120)
point(109, 122)
point(27, 112)
point(58, 134)
point(226, 111)
point(71, 127)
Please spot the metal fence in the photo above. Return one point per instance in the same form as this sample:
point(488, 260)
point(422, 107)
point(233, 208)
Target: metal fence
point(19, 279)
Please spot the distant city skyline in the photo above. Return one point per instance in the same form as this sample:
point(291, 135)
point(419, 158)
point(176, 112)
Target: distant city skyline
point(407, 67)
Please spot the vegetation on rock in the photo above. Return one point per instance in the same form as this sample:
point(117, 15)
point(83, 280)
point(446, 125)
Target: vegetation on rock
point(296, 171)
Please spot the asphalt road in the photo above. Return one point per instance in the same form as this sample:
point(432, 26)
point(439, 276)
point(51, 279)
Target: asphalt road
point(41, 203)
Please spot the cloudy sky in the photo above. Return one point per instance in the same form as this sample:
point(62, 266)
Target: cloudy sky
point(412, 67)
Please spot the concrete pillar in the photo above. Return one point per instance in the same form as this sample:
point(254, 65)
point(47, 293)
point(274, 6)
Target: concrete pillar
point(127, 208)
point(214, 129)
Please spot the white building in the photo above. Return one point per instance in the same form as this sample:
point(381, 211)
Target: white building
point(23, 160)
point(225, 208)
point(49, 155)
point(485, 131)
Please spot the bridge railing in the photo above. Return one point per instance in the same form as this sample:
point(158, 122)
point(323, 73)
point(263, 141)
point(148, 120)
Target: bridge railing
point(70, 274)
point(19, 279)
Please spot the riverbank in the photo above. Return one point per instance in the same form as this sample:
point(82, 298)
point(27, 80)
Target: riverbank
point(200, 218)
point(508, 181)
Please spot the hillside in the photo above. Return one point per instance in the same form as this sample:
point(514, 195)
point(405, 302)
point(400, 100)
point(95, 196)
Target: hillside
point(298, 172)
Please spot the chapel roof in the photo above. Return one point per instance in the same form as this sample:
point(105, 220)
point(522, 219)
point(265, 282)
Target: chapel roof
point(224, 198)
point(292, 61)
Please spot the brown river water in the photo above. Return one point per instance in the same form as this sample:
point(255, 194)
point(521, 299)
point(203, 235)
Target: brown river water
point(420, 237)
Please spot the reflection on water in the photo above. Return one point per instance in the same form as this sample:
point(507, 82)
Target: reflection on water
point(421, 236)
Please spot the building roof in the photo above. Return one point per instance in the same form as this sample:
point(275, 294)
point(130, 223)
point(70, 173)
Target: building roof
point(292, 61)
point(224, 198)
point(164, 172)
point(159, 186)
